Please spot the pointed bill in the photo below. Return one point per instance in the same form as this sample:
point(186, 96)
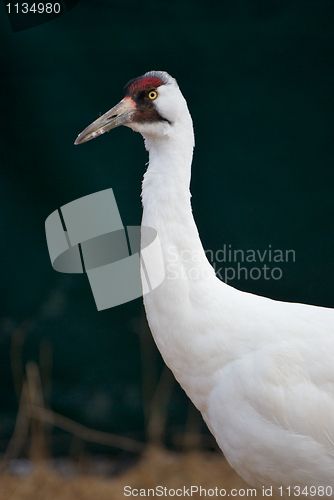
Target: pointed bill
point(116, 116)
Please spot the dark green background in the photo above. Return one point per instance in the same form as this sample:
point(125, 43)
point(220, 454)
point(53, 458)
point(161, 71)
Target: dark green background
point(258, 76)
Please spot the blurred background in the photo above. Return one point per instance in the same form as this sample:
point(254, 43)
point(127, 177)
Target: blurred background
point(258, 76)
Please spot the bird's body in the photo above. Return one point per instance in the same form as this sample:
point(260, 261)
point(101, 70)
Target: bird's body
point(260, 371)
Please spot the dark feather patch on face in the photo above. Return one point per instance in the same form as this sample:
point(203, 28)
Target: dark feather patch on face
point(146, 112)
point(138, 90)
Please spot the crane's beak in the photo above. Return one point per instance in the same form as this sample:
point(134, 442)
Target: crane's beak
point(116, 116)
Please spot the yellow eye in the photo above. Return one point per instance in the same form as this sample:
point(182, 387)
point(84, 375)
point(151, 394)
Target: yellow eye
point(153, 94)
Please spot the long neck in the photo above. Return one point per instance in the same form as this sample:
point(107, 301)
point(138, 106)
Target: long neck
point(167, 179)
point(166, 196)
point(180, 309)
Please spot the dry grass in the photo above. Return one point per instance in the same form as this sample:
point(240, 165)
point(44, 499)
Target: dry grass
point(156, 467)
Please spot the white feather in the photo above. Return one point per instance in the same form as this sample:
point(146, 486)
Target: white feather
point(260, 371)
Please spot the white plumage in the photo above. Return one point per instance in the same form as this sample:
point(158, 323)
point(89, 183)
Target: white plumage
point(260, 371)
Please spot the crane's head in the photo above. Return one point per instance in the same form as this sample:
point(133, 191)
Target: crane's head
point(151, 105)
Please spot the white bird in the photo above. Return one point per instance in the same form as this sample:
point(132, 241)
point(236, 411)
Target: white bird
point(260, 371)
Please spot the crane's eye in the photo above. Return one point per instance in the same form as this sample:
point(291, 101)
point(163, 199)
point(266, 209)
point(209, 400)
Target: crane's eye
point(153, 94)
